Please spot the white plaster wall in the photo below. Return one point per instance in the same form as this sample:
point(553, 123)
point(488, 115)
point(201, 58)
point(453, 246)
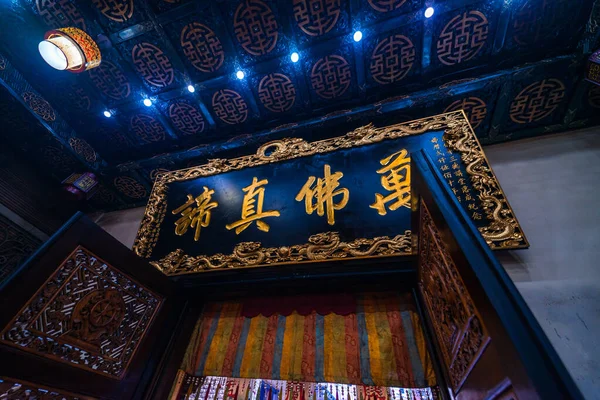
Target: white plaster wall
point(122, 225)
point(553, 185)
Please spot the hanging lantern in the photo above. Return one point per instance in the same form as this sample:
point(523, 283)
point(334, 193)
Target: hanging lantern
point(592, 70)
point(70, 49)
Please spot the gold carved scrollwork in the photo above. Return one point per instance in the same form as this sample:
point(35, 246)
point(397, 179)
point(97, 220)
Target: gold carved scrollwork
point(320, 247)
point(501, 231)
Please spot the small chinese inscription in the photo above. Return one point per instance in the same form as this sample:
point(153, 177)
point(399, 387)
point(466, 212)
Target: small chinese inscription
point(321, 197)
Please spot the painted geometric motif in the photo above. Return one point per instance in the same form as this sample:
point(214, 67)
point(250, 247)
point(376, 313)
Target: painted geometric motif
point(277, 92)
point(82, 148)
point(110, 80)
point(331, 76)
point(60, 13)
point(462, 38)
point(537, 101)
point(386, 5)
point(147, 128)
point(152, 64)
point(229, 106)
point(87, 314)
point(316, 17)
point(186, 118)
point(392, 59)
point(474, 107)
point(39, 106)
point(130, 187)
point(116, 10)
point(255, 27)
point(202, 47)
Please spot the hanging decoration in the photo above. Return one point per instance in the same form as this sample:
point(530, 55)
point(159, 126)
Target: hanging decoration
point(70, 49)
point(592, 70)
point(189, 387)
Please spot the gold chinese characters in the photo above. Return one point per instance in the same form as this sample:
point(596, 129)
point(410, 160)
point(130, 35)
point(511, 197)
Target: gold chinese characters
point(195, 216)
point(396, 180)
point(252, 208)
point(326, 195)
point(321, 196)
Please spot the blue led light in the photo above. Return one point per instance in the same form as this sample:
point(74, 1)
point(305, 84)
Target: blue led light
point(147, 102)
point(107, 114)
point(429, 12)
point(240, 74)
point(191, 88)
point(357, 36)
point(295, 57)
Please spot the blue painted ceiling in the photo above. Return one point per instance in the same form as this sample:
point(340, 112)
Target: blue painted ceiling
point(515, 66)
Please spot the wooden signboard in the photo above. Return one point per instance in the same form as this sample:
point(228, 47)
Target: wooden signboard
point(296, 201)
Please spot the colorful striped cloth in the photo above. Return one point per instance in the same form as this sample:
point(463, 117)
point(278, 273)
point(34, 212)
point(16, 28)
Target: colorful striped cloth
point(380, 344)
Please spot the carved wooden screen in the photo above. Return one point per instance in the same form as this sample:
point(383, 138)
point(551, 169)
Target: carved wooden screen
point(486, 340)
point(84, 316)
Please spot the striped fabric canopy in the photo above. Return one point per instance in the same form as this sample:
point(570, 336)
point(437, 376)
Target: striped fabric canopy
point(380, 343)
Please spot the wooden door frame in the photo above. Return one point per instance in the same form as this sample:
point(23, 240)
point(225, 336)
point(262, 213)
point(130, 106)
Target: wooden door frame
point(490, 285)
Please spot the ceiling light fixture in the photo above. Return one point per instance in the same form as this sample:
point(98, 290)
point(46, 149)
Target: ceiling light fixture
point(107, 114)
point(191, 88)
point(70, 49)
point(357, 36)
point(295, 57)
point(429, 12)
point(147, 102)
point(240, 74)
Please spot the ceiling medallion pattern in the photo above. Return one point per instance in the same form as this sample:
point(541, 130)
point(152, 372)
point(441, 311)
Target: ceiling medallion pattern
point(594, 96)
point(534, 20)
point(202, 47)
point(392, 59)
point(116, 10)
point(462, 38)
point(331, 76)
point(60, 13)
point(78, 98)
point(255, 27)
point(147, 128)
point(277, 92)
point(386, 5)
point(39, 106)
point(152, 64)
point(229, 106)
point(87, 314)
point(130, 187)
point(83, 148)
point(104, 196)
point(316, 17)
point(537, 101)
point(186, 118)
point(474, 107)
point(110, 80)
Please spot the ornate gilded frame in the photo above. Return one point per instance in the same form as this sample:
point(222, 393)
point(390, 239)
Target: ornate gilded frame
point(502, 232)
